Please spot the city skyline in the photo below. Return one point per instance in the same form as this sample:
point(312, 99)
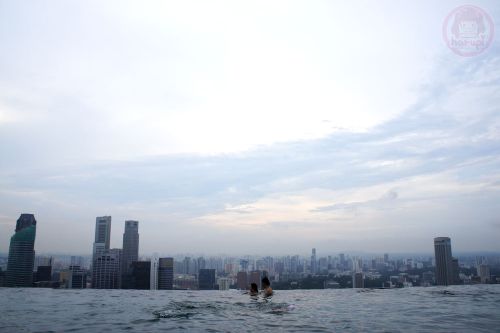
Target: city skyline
point(259, 129)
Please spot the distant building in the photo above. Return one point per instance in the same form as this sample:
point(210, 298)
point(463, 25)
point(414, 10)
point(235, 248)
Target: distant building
point(484, 273)
point(43, 273)
point(185, 282)
point(206, 279)
point(101, 241)
point(166, 273)
point(130, 251)
point(154, 273)
point(224, 283)
point(22, 253)
point(106, 270)
point(357, 280)
point(77, 278)
point(255, 277)
point(141, 275)
point(314, 262)
point(242, 280)
point(444, 270)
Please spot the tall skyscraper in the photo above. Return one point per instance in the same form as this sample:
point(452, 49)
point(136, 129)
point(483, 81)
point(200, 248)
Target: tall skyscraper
point(130, 251)
point(166, 273)
point(314, 262)
point(22, 253)
point(106, 270)
point(442, 252)
point(101, 243)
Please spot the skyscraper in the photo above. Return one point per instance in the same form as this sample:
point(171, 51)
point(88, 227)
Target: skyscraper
point(22, 253)
point(206, 279)
point(106, 270)
point(442, 252)
point(242, 280)
point(166, 273)
point(141, 275)
point(314, 262)
point(102, 234)
point(101, 244)
point(130, 251)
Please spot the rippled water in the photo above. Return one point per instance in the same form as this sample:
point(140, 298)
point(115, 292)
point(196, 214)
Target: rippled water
point(455, 309)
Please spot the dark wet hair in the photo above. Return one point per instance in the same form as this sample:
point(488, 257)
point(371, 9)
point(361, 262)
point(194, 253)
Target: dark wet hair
point(265, 281)
point(253, 287)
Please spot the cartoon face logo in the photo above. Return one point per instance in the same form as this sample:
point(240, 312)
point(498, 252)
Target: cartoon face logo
point(468, 30)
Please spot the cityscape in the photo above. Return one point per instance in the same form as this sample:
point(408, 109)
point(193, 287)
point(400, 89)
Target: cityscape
point(124, 268)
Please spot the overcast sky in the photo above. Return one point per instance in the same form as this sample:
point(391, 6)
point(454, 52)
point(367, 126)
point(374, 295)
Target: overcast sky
point(248, 127)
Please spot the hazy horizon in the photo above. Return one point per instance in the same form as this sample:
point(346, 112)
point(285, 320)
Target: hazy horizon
point(262, 127)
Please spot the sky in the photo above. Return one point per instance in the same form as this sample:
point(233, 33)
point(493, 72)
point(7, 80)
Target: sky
point(257, 127)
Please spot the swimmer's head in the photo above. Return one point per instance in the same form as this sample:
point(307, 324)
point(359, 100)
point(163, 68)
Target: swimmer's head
point(265, 282)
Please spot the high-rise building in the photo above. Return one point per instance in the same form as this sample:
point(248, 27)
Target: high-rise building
point(22, 253)
point(141, 275)
point(442, 252)
point(166, 273)
point(43, 273)
point(101, 242)
point(314, 262)
point(206, 279)
point(153, 284)
point(77, 278)
point(130, 251)
point(242, 280)
point(103, 231)
point(484, 273)
point(106, 270)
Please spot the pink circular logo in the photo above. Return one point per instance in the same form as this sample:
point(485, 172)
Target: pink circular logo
point(468, 30)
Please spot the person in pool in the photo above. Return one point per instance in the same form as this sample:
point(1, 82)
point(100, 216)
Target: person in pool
point(266, 287)
point(254, 290)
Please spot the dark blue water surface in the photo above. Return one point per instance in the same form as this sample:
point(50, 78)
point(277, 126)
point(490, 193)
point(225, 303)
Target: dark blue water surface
point(435, 309)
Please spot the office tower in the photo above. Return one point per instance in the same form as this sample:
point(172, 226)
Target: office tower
point(106, 270)
point(484, 273)
point(130, 245)
point(130, 251)
point(206, 279)
point(22, 253)
point(255, 277)
point(102, 232)
point(77, 278)
point(357, 280)
point(141, 275)
point(442, 251)
point(101, 241)
point(43, 273)
point(314, 268)
point(386, 257)
point(242, 280)
point(165, 273)
point(153, 284)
